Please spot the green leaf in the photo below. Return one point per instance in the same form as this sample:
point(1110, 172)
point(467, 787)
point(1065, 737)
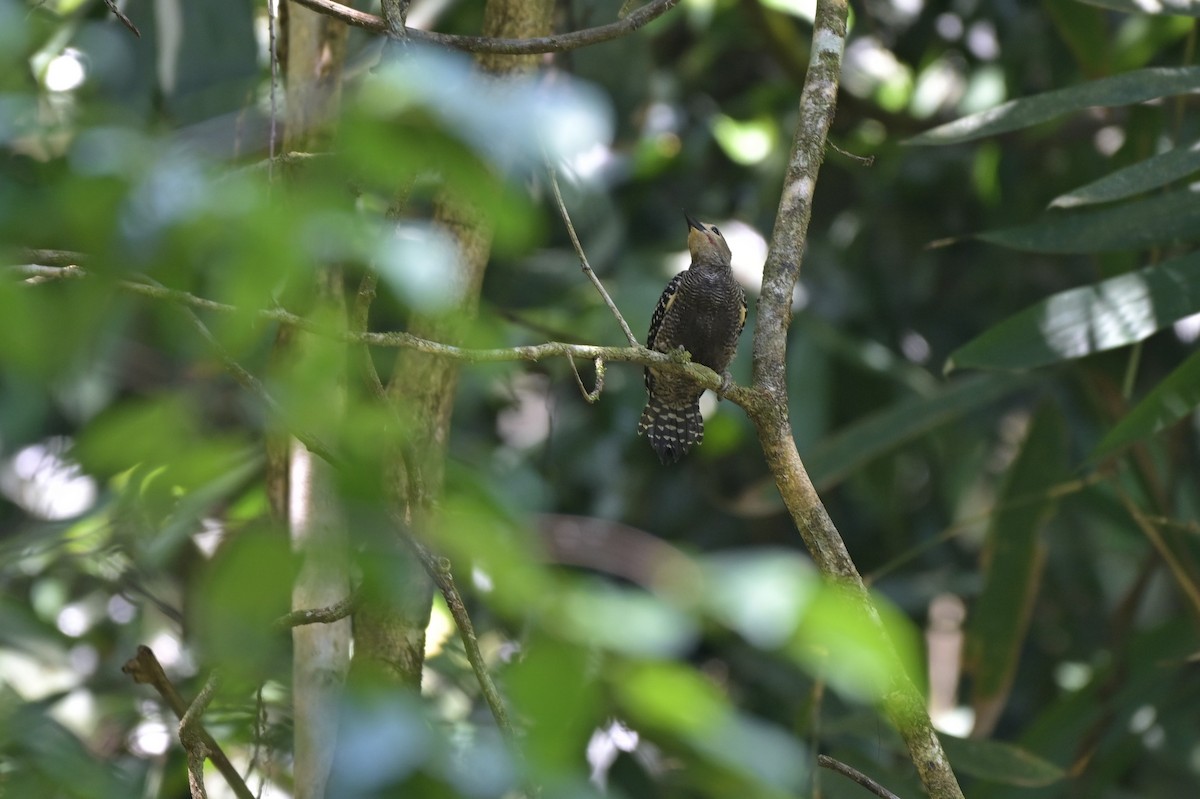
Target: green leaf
point(1172, 399)
point(1075, 323)
point(1013, 558)
point(1158, 170)
point(1181, 8)
point(1000, 762)
point(1152, 222)
point(847, 450)
point(1131, 87)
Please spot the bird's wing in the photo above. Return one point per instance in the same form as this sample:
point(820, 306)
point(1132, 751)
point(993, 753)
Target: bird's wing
point(664, 304)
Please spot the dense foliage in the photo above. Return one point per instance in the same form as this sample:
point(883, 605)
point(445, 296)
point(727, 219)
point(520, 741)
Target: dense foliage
point(992, 371)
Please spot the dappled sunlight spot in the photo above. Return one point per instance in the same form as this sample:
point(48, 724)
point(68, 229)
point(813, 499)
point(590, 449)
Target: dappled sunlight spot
point(1072, 675)
point(121, 610)
point(982, 41)
point(150, 738)
point(1109, 139)
point(749, 249)
point(949, 26)
point(746, 142)
point(525, 422)
point(954, 721)
point(35, 678)
point(77, 712)
point(1113, 314)
point(167, 648)
point(45, 484)
point(440, 629)
point(804, 9)
point(1142, 719)
point(868, 65)
point(939, 85)
point(915, 347)
point(73, 620)
point(1187, 329)
point(65, 72)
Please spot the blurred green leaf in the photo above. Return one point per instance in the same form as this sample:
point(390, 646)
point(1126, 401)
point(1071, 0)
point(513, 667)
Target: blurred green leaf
point(1158, 170)
point(847, 450)
point(670, 697)
point(1131, 87)
point(1075, 323)
point(1012, 566)
point(1185, 8)
point(761, 594)
point(1000, 762)
point(840, 644)
point(622, 620)
point(551, 686)
point(1151, 222)
point(1173, 398)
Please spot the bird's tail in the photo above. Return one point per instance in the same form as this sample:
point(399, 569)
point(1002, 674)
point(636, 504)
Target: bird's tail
point(672, 429)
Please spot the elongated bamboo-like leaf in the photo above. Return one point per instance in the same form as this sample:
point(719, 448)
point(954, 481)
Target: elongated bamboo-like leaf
point(1154, 221)
point(1136, 86)
point(836, 457)
point(1158, 170)
point(1000, 762)
point(1012, 568)
point(1178, 8)
point(1075, 323)
point(1168, 402)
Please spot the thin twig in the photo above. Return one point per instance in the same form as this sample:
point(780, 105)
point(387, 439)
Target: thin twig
point(700, 374)
point(126, 21)
point(594, 394)
point(1184, 580)
point(482, 44)
point(825, 761)
point(327, 615)
point(145, 669)
point(192, 740)
point(583, 261)
point(439, 569)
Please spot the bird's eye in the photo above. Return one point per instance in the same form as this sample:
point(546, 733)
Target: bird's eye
point(714, 230)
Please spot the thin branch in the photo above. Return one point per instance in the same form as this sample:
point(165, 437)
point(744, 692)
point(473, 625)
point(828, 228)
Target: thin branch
point(558, 43)
point(583, 261)
point(671, 362)
point(126, 21)
point(903, 703)
point(145, 669)
point(190, 737)
point(439, 569)
point(1182, 578)
point(589, 396)
point(825, 761)
point(327, 615)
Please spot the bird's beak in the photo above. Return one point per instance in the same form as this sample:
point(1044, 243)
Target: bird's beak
point(692, 223)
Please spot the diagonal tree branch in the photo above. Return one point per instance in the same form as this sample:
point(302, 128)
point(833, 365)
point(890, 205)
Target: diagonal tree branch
point(558, 43)
point(903, 703)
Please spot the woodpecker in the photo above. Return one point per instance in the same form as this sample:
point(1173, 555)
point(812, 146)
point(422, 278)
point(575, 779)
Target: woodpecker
point(703, 311)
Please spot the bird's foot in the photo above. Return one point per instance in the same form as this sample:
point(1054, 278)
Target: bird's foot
point(726, 385)
point(680, 355)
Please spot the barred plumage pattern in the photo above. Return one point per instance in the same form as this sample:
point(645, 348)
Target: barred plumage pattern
point(702, 310)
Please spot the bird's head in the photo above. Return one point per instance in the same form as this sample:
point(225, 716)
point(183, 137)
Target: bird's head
point(706, 244)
